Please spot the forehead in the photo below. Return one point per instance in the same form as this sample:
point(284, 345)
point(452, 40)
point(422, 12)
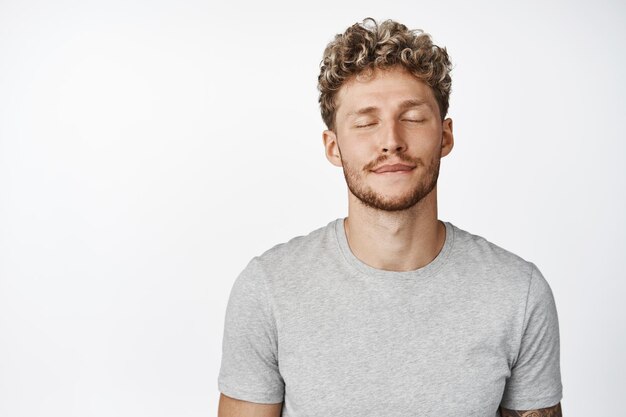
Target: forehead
point(387, 88)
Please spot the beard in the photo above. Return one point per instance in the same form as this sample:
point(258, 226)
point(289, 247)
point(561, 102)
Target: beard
point(378, 201)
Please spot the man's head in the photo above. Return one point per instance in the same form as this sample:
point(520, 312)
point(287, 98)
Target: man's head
point(384, 95)
point(364, 47)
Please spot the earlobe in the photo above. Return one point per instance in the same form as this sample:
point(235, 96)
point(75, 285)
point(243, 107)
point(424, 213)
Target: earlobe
point(331, 147)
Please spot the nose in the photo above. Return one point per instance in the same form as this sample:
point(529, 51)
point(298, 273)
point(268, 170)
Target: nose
point(392, 140)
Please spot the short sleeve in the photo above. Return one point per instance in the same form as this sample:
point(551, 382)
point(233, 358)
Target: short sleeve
point(249, 368)
point(535, 380)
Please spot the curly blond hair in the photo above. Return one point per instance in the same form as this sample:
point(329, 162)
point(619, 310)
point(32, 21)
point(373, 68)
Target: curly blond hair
point(369, 45)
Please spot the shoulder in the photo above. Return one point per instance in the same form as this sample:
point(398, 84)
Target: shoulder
point(298, 253)
point(480, 257)
point(480, 249)
point(271, 273)
point(298, 245)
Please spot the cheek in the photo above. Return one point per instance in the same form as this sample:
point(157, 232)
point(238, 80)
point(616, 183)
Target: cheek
point(357, 159)
point(354, 150)
point(428, 141)
point(431, 147)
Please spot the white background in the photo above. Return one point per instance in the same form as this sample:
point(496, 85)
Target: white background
point(149, 149)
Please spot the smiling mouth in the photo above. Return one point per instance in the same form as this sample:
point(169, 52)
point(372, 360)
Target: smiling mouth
point(394, 170)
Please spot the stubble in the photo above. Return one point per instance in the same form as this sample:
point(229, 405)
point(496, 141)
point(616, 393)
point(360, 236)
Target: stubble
point(377, 200)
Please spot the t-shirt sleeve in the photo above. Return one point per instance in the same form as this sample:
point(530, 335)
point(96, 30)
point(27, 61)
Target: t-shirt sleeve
point(249, 368)
point(535, 380)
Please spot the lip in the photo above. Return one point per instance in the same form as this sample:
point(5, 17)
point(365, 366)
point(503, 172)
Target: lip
point(394, 168)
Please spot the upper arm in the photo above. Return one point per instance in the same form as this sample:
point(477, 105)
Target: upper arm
point(554, 411)
point(231, 407)
point(535, 378)
point(249, 369)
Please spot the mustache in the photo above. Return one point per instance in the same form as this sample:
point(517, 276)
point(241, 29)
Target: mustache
point(383, 158)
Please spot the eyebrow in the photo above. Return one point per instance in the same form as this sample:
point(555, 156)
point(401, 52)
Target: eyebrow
point(407, 104)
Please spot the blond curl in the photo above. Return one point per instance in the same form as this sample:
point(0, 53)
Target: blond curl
point(366, 46)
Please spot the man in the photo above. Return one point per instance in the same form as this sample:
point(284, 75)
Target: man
point(390, 311)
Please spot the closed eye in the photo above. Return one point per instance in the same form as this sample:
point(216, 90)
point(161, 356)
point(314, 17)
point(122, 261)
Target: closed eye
point(367, 125)
point(414, 120)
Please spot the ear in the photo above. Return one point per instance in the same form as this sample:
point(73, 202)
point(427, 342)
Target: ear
point(447, 140)
point(331, 148)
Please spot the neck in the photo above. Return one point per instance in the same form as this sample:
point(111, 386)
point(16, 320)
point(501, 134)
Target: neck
point(395, 240)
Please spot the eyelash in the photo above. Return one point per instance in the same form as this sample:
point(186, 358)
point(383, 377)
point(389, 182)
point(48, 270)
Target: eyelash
point(408, 120)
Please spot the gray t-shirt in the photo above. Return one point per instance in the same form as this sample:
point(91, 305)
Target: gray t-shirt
point(310, 324)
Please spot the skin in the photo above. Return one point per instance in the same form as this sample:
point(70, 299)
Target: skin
point(232, 407)
point(386, 118)
point(554, 411)
point(392, 218)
